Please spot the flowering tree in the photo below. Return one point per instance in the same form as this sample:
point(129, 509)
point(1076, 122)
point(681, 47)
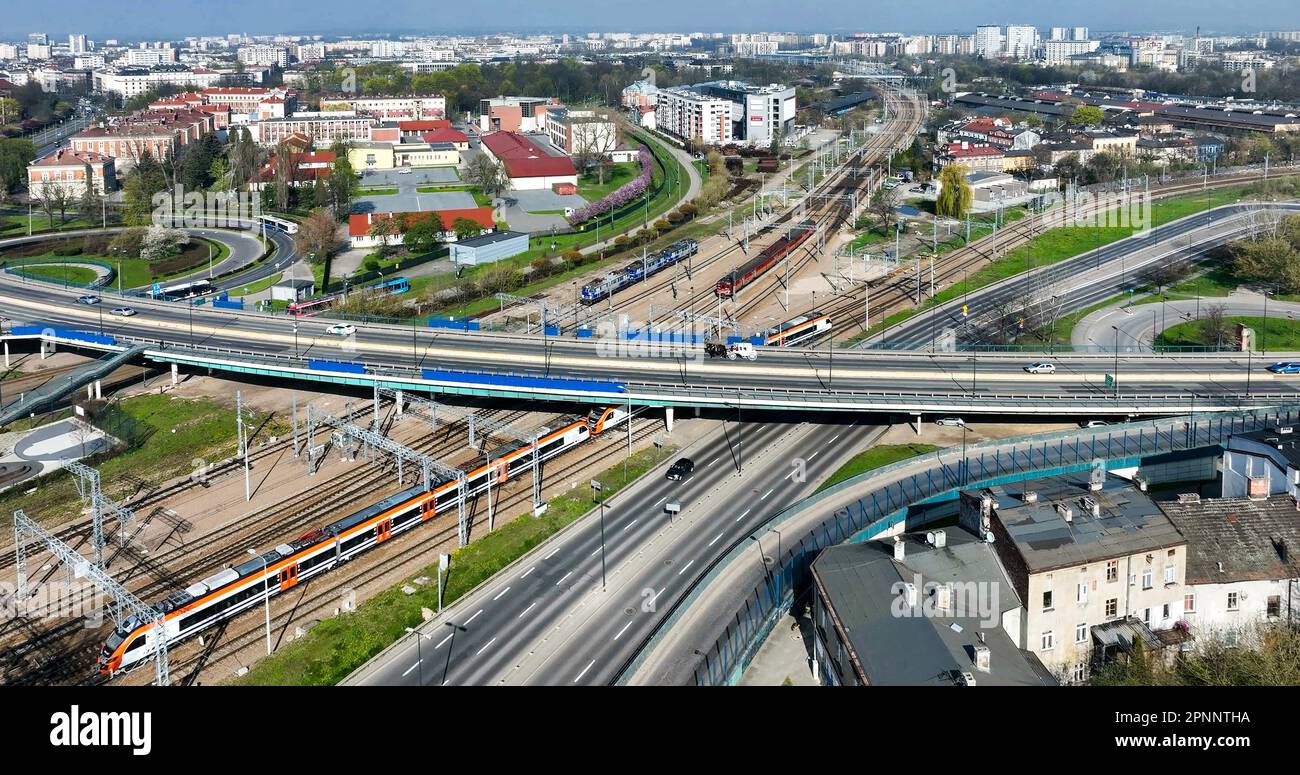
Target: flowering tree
point(621, 195)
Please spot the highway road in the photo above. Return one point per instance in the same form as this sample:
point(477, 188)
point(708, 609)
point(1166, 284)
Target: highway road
point(549, 620)
point(1074, 283)
point(966, 376)
point(1139, 323)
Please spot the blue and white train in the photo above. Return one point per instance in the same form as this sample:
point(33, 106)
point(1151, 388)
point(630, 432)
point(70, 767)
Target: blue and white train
point(638, 270)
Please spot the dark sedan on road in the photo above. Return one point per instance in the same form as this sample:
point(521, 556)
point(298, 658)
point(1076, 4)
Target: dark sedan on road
point(681, 469)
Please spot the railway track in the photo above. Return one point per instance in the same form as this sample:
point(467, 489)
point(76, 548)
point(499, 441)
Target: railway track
point(897, 291)
point(155, 577)
point(408, 553)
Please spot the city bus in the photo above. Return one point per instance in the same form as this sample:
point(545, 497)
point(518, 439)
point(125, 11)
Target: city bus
point(279, 224)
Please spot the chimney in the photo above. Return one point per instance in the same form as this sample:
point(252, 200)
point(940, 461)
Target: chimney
point(909, 594)
point(943, 597)
point(899, 549)
point(1029, 496)
point(982, 659)
point(1066, 512)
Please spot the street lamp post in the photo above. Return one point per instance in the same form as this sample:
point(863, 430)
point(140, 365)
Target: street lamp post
point(454, 628)
point(1115, 374)
point(596, 488)
point(419, 656)
point(266, 598)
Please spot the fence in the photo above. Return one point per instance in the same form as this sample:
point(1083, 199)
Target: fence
point(885, 506)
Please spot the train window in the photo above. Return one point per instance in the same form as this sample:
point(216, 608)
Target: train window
point(402, 519)
point(353, 543)
point(137, 643)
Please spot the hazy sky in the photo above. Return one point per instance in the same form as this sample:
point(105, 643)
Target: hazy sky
point(162, 19)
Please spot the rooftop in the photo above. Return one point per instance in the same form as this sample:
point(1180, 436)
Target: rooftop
point(1236, 539)
point(861, 582)
point(1127, 521)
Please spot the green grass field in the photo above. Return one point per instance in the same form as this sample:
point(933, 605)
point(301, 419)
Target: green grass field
point(63, 273)
point(258, 285)
point(1280, 334)
point(377, 191)
point(134, 272)
point(616, 176)
point(874, 458)
point(336, 647)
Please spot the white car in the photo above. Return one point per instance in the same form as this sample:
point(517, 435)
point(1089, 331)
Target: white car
point(124, 312)
point(404, 172)
point(1041, 367)
point(342, 329)
point(951, 422)
point(1094, 424)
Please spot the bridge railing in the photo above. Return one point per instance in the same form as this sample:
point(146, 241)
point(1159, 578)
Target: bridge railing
point(764, 596)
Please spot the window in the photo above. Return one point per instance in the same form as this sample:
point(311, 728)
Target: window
point(1080, 672)
point(1047, 600)
point(1164, 611)
point(1171, 574)
point(1146, 578)
point(1081, 596)
point(1274, 606)
point(1232, 601)
point(1081, 633)
point(1112, 570)
point(1189, 604)
point(1112, 608)
point(1049, 641)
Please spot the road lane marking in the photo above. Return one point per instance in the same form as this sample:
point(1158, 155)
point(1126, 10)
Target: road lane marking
point(417, 664)
point(661, 500)
point(526, 610)
point(742, 516)
point(593, 551)
point(475, 616)
point(502, 592)
point(530, 570)
point(813, 455)
point(444, 640)
point(584, 671)
point(561, 581)
point(769, 492)
point(552, 554)
point(616, 637)
point(485, 646)
point(630, 524)
point(684, 567)
point(833, 438)
point(715, 539)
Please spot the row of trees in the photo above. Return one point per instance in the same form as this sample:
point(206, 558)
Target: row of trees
point(1272, 256)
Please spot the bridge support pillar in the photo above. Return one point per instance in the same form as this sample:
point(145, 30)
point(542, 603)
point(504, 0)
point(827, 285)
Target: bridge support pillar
point(99, 388)
point(6, 353)
point(176, 374)
point(917, 418)
point(399, 403)
point(46, 353)
point(90, 391)
point(668, 418)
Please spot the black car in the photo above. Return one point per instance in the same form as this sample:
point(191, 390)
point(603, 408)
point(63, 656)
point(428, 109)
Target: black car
point(681, 469)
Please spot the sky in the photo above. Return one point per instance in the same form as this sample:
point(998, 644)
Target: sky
point(176, 19)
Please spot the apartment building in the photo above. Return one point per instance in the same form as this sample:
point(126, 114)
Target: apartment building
point(1082, 552)
point(419, 107)
point(70, 171)
point(514, 114)
point(264, 55)
point(722, 112)
point(989, 41)
point(1059, 52)
point(150, 57)
point(128, 83)
point(324, 129)
point(576, 131)
point(1022, 41)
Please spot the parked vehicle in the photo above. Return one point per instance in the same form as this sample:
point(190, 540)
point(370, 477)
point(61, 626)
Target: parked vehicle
point(951, 422)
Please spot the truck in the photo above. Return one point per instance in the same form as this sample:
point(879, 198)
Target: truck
point(731, 352)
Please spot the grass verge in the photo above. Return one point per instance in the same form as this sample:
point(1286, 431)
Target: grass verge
point(874, 458)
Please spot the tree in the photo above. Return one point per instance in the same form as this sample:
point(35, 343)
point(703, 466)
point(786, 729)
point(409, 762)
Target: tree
point(490, 177)
point(9, 109)
point(145, 180)
point(423, 235)
point(162, 242)
point(466, 228)
point(955, 194)
point(342, 185)
point(384, 229)
point(282, 173)
point(15, 155)
point(128, 242)
point(91, 201)
point(317, 235)
point(1216, 331)
point(1087, 115)
point(54, 197)
point(882, 209)
point(1271, 260)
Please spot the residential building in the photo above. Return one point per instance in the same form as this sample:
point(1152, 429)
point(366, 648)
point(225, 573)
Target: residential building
point(1242, 565)
point(988, 41)
point(640, 95)
point(77, 44)
point(1022, 41)
point(150, 57)
point(919, 610)
point(39, 51)
point(971, 155)
point(1262, 463)
point(723, 112)
point(514, 114)
point(1060, 52)
point(304, 168)
point(1081, 551)
point(418, 107)
point(1119, 142)
point(70, 171)
point(577, 131)
point(324, 129)
point(133, 82)
point(528, 165)
point(264, 55)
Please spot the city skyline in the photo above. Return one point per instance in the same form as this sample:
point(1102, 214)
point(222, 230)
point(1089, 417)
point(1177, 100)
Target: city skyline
point(186, 18)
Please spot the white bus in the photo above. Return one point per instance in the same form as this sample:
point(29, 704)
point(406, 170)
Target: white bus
point(271, 222)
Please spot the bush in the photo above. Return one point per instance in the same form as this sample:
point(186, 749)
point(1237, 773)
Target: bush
point(501, 278)
point(371, 264)
point(689, 210)
point(68, 249)
point(622, 195)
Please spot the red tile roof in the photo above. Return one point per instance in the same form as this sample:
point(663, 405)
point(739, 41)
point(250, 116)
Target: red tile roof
point(445, 136)
point(66, 157)
point(523, 159)
point(972, 150)
point(359, 223)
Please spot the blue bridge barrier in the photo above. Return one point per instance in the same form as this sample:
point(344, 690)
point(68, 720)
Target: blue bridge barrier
point(341, 366)
point(63, 333)
point(509, 380)
point(754, 340)
point(223, 302)
point(585, 333)
point(455, 325)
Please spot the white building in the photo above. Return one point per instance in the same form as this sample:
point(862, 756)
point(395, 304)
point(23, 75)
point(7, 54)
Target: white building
point(1262, 463)
point(150, 57)
point(1242, 566)
point(77, 44)
point(721, 112)
point(264, 55)
point(988, 41)
point(39, 51)
point(1081, 552)
point(130, 83)
point(1058, 52)
point(577, 131)
point(1022, 41)
point(1079, 33)
point(1060, 33)
point(88, 61)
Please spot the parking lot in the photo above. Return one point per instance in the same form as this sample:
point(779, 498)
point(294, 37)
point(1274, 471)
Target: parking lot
point(413, 177)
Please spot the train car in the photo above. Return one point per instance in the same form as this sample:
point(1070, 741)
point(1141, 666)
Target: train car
point(755, 267)
point(637, 271)
point(234, 590)
point(798, 330)
point(608, 285)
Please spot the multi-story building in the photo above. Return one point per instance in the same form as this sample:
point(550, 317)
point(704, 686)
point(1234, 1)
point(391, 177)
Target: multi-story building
point(988, 41)
point(264, 55)
point(70, 171)
point(150, 57)
point(578, 131)
point(133, 82)
point(77, 44)
point(39, 51)
point(721, 112)
point(640, 95)
point(1082, 552)
point(1059, 52)
point(514, 114)
point(1079, 33)
point(8, 51)
point(161, 133)
point(325, 128)
point(88, 61)
point(1242, 566)
point(1022, 41)
point(1120, 142)
point(430, 106)
point(1060, 33)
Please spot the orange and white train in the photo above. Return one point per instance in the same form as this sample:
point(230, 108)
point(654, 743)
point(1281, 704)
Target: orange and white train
point(235, 590)
point(798, 330)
